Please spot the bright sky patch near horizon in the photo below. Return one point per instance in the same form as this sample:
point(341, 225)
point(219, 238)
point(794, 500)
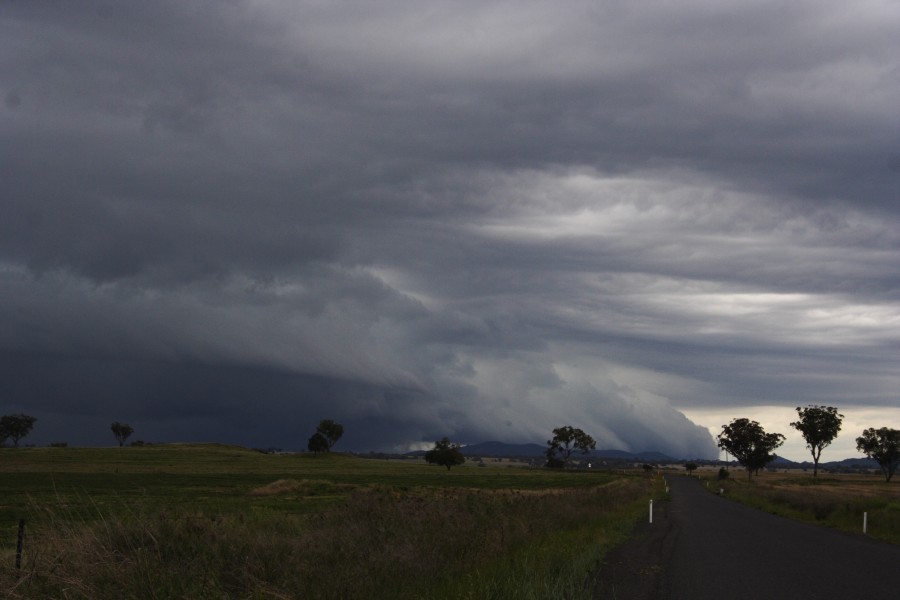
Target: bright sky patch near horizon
point(225, 222)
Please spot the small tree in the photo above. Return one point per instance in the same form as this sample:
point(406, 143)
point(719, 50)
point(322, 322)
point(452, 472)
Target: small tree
point(690, 467)
point(567, 440)
point(819, 426)
point(331, 431)
point(749, 443)
point(317, 443)
point(883, 446)
point(122, 431)
point(15, 427)
point(445, 454)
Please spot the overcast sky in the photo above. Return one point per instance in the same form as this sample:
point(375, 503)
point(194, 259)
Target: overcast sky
point(225, 221)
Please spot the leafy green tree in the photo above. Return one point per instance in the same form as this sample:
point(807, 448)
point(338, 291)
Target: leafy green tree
point(317, 443)
point(749, 443)
point(819, 426)
point(331, 431)
point(122, 431)
point(883, 446)
point(553, 461)
point(445, 453)
point(15, 427)
point(566, 441)
point(690, 467)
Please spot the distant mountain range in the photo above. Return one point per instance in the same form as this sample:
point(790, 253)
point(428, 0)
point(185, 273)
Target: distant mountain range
point(501, 449)
point(847, 463)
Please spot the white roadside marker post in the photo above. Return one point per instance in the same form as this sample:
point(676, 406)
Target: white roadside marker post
point(865, 522)
point(651, 511)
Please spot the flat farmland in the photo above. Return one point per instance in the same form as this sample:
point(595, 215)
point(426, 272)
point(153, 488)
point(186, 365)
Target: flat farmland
point(215, 521)
point(218, 477)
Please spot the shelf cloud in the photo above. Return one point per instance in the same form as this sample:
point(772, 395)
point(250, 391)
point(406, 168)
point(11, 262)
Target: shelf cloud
point(229, 221)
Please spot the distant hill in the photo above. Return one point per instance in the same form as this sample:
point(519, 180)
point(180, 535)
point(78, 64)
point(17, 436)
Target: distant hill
point(781, 462)
point(847, 463)
point(657, 457)
point(836, 465)
point(500, 449)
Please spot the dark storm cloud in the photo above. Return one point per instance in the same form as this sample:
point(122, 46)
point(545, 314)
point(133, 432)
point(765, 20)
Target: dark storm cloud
point(481, 220)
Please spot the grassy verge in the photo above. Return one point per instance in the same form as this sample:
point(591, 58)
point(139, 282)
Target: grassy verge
point(836, 501)
point(256, 526)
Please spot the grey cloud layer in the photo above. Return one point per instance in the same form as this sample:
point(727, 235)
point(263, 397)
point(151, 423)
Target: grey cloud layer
point(481, 220)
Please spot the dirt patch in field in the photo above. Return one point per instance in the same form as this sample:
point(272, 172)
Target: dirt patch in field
point(301, 487)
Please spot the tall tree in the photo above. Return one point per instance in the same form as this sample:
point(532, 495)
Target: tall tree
point(15, 427)
point(331, 431)
point(749, 443)
point(317, 443)
point(122, 431)
point(883, 446)
point(566, 441)
point(819, 426)
point(445, 453)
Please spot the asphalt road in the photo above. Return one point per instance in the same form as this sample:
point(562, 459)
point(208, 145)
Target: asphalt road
point(701, 546)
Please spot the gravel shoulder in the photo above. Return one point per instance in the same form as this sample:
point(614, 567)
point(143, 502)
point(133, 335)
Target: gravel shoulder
point(634, 570)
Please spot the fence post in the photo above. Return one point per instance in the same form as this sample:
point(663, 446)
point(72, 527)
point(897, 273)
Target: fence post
point(20, 544)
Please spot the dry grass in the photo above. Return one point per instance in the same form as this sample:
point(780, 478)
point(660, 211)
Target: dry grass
point(381, 542)
point(837, 501)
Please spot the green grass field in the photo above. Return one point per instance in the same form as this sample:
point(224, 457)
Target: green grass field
point(214, 521)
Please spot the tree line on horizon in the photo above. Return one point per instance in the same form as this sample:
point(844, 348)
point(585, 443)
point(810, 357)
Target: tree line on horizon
point(743, 438)
point(16, 427)
point(752, 446)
